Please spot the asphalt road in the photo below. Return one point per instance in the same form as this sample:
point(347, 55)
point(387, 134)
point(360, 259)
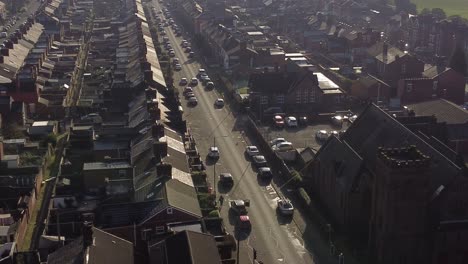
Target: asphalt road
point(275, 238)
point(30, 8)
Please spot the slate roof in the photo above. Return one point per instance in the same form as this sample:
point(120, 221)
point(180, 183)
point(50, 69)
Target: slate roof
point(107, 248)
point(269, 82)
point(443, 110)
point(434, 71)
point(188, 247)
point(377, 51)
point(375, 128)
point(182, 196)
point(71, 253)
point(345, 162)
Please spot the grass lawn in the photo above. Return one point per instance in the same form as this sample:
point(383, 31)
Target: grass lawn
point(451, 7)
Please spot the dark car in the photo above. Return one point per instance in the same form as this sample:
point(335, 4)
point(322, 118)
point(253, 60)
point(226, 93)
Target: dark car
point(226, 179)
point(303, 121)
point(265, 172)
point(259, 161)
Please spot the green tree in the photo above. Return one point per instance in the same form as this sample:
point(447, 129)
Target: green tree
point(425, 11)
point(439, 13)
point(458, 60)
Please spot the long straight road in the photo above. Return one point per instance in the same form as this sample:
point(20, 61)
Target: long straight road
point(275, 239)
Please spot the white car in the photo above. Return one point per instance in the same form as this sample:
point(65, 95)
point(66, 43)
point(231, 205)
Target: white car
point(213, 152)
point(183, 81)
point(276, 141)
point(283, 146)
point(252, 151)
point(178, 67)
point(285, 207)
point(291, 121)
point(171, 53)
point(322, 135)
point(194, 81)
point(219, 102)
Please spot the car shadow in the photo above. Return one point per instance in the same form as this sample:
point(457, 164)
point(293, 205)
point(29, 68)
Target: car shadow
point(222, 188)
point(283, 219)
point(210, 161)
point(263, 181)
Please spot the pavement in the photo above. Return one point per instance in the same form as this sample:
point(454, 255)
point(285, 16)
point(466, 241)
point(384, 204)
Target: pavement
point(275, 239)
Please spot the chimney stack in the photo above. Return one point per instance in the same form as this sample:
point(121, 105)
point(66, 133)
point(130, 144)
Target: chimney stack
point(385, 51)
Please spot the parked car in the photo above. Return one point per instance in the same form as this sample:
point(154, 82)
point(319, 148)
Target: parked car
point(285, 206)
point(201, 72)
point(193, 100)
point(276, 141)
point(171, 53)
point(178, 67)
point(244, 222)
point(188, 89)
point(278, 121)
point(191, 54)
point(265, 172)
point(226, 179)
point(321, 135)
point(334, 133)
point(189, 94)
point(213, 152)
point(239, 206)
point(252, 151)
point(337, 120)
point(283, 146)
point(291, 121)
point(210, 85)
point(175, 60)
point(303, 121)
point(202, 76)
point(188, 49)
point(194, 81)
point(183, 81)
point(219, 102)
point(259, 161)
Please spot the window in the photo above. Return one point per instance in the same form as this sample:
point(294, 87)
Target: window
point(305, 96)
point(169, 210)
point(298, 98)
point(434, 85)
point(409, 87)
point(122, 173)
point(160, 230)
point(403, 68)
point(145, 234)
point(280, 99)
point(312, 97)
point(264, 100)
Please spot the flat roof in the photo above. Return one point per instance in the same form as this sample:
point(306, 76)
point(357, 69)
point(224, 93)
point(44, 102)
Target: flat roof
point(324, 82)
point(106, 165)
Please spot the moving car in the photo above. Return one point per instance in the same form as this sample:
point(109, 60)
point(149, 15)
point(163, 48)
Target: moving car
point(337, 120)
point(285, 206)
point(278, 121)
point(213, 152)
point(252, 151)
point(219, 102)
point(259, 161)
point(291, 121)
point(189, 94)
point(194, 81)
point(265, 172)
point(226, 179)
